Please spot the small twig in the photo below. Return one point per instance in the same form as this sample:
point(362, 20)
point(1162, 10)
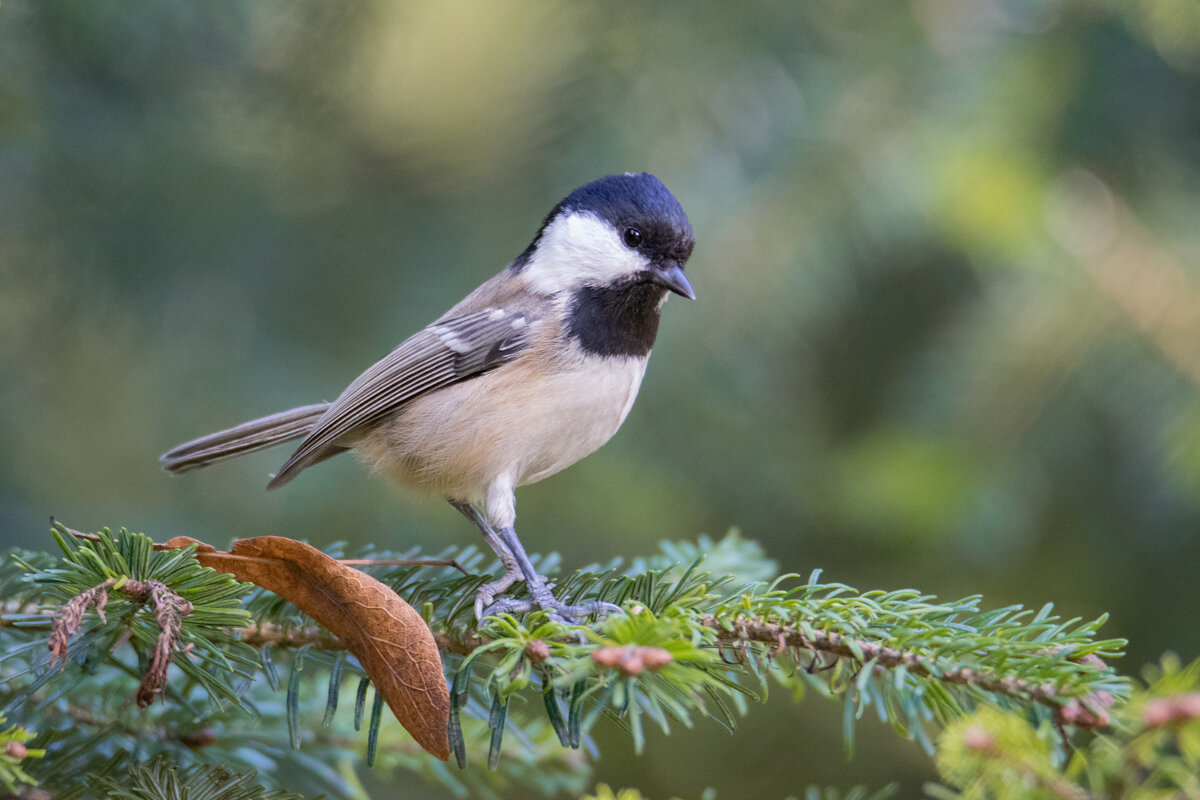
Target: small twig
point(462, 645)
point(317, 638)
point(1087, 712)
point(403, 562)
point(266, 633)
point(744, 630)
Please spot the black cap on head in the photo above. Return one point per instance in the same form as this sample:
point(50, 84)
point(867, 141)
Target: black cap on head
point(635, 200)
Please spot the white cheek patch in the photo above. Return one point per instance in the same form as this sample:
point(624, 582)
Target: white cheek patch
point(579, 248)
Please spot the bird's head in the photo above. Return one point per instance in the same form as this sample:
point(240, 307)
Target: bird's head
point(621, 231)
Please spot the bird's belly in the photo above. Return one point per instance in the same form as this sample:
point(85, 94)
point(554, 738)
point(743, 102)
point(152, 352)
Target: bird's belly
point(513, 425)
point(587, 411)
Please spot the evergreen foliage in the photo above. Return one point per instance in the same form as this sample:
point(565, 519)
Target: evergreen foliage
point(12, 752)
point(257, 686)
point(603, 792)
point(1151, 751)
point(159, 779)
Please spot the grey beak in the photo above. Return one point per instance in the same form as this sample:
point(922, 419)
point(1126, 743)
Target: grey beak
point(672, 277)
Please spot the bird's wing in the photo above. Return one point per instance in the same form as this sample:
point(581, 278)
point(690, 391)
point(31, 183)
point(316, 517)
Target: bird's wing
point(448, 351)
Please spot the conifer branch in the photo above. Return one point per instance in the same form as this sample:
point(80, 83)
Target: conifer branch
point(691, 644)
point(1090, 714)
point(737, 633)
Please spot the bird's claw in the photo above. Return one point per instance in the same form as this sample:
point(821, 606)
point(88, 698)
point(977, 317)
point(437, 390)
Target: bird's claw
point(517, 566)
point(555, 609)
point(485, 596)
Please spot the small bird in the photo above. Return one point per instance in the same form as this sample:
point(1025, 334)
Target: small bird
point(532, 371)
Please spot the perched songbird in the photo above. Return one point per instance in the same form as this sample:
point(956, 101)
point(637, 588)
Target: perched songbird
point(531, 372)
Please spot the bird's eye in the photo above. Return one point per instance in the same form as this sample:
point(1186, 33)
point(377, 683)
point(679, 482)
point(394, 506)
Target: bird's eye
point(632, 237)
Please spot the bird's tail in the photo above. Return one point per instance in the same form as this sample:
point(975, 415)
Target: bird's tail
point(248, 437)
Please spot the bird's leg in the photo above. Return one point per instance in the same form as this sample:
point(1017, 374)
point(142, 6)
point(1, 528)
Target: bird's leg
point(539, 590)
point(486, 594)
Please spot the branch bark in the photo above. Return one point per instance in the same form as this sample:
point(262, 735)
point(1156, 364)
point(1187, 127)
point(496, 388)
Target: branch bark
point(1087, 712)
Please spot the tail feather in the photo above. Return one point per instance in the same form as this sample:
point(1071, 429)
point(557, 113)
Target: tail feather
point(248, 437)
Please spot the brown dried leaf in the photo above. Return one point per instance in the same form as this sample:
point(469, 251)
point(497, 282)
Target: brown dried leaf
point(177, 542)
point(391, 641)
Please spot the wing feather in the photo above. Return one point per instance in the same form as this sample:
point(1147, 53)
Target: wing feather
point(449, 351)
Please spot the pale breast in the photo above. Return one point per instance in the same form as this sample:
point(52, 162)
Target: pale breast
point(518, 423)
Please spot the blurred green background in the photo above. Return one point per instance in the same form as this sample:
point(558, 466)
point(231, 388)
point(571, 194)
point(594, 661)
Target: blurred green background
point(948, 266)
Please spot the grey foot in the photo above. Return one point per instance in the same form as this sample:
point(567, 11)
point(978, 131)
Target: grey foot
point(517, 566)
point(485, 596)
point(543, 599)
point(558, 610)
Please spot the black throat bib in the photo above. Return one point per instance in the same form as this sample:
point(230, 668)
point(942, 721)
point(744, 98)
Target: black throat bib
point(620, 320)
